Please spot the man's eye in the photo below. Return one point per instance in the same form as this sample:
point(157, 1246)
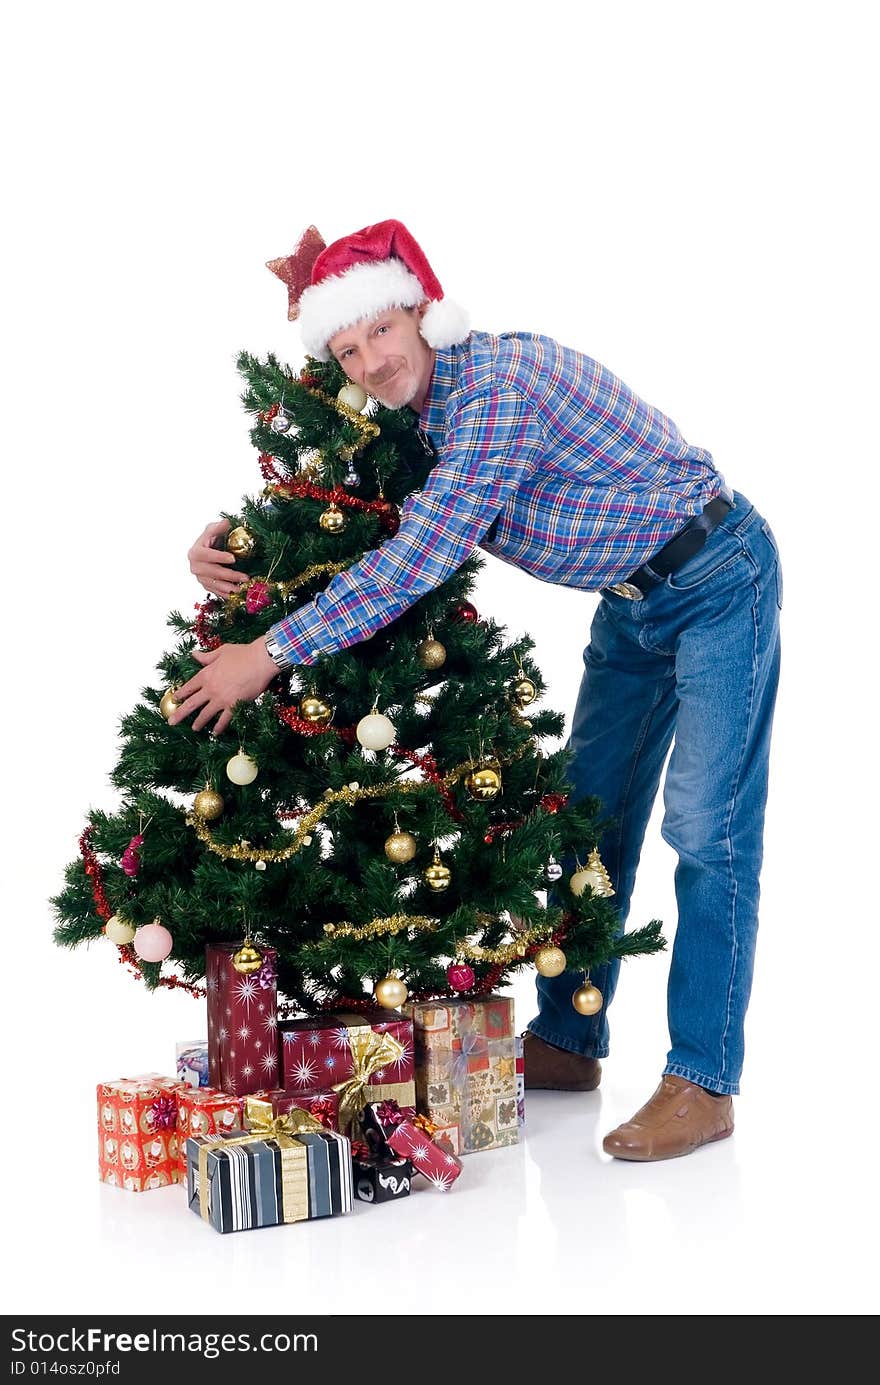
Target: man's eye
point(383, 328)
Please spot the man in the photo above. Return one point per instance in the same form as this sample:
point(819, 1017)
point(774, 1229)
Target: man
point(550, 462)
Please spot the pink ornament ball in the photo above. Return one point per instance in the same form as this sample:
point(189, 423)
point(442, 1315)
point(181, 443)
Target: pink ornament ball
point(460, 976)
point(152, 942)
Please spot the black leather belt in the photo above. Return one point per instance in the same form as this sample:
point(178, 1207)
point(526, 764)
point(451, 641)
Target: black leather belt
point(674, 554)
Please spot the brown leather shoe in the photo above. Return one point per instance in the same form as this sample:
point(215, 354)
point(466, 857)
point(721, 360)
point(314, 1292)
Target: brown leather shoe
point(677, 1120)
point(557, 1070)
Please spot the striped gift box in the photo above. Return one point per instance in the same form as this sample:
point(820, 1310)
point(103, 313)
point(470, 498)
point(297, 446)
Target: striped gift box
point(238, 1182)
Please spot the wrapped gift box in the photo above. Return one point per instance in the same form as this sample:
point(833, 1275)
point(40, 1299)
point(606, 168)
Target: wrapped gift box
point(520, 1079)
point(437, 1165)
point(204, 1111)
point(137, 1132)
point(240, 1182)
point(192, 1063)
point(351, 1054)
point(242, 1022)
point(465, 1069)
point(324, 1106)
point(380, 1180)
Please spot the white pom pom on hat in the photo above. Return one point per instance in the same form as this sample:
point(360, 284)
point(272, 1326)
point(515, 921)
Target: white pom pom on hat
point(382, 266)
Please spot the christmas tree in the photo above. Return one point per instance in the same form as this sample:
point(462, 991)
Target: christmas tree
point(381, 818)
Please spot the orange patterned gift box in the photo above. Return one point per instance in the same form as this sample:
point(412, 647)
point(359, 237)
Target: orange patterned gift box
point(204, 1111)
point(137, 1132)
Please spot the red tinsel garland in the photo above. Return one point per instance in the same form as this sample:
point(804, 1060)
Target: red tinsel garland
point(93, 871)
point(301, 488)
point(200, 629)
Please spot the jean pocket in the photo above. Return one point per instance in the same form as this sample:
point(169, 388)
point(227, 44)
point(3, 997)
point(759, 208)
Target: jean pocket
point(720, 552)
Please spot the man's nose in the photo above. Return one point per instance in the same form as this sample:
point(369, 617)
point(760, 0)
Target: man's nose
point(373, 358)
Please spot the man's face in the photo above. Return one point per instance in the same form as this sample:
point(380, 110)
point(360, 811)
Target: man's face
point(387, 356)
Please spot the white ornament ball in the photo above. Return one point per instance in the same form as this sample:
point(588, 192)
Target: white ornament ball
point(353, 396)
point(375, 732)
point(152, 942)
point(241, 769)
point(118, 931)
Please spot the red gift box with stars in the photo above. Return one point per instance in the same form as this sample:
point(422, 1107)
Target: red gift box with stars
point(322, 1052)
point(438, 1165)
point(242, 1022)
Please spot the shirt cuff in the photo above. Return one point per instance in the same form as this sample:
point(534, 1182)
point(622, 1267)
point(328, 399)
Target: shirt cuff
point(299, 639)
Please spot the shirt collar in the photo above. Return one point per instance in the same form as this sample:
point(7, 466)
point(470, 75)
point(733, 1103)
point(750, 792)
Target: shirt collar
point(433, 416)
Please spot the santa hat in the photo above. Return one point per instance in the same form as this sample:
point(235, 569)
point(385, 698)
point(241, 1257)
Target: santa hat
point(333, 286)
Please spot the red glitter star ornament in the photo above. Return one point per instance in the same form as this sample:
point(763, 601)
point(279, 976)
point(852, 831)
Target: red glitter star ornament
point(296, 269)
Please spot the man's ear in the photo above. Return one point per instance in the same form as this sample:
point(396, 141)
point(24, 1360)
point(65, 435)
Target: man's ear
point(422, 308)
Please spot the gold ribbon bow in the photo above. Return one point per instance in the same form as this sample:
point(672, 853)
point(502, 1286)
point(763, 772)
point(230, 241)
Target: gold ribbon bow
point(267, 1126)
point(370, 1052)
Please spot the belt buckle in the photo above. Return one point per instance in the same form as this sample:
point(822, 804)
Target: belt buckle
point(627, 589)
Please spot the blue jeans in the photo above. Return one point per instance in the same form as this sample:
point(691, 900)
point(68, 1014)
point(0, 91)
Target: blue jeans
point(696, 660)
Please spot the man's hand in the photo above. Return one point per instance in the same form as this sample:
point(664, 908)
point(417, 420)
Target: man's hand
point(233, 673)
point(212, 566)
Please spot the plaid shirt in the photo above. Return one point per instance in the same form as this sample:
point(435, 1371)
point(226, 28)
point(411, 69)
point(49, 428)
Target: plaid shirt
point(586, 481)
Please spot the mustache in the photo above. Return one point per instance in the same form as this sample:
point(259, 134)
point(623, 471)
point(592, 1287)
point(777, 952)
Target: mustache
point(381, 377)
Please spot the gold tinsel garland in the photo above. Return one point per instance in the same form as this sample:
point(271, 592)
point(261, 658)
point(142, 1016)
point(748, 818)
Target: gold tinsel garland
point(347, 795)
point(474, 952)
point(285, 589)
point(365, 427)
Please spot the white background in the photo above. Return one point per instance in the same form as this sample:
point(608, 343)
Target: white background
point(684, 192)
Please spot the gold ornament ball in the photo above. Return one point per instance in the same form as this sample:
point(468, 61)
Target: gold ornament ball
point(581, 879)
point(550, 961)
point(352, 396)
point(483, 783)
point(241, 542)
point(169, 704)
point(438, 876)
point(314, 709)
point(242, 769)
point(208, 804)
point(247, 959)
point(333, 521)
point(390, 992)
point(118, 931)
point(431, 654)
point(400, 847)
point(587, 1000)
point(524, 692)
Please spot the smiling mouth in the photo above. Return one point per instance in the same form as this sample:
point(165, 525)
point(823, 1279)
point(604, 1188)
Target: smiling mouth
point(386, 380)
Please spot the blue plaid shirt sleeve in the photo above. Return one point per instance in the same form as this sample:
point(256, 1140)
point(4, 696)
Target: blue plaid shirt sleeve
point(489, 444)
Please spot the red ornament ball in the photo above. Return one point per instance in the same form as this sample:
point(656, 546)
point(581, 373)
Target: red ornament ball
point(464, 611)
point(460, 976)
